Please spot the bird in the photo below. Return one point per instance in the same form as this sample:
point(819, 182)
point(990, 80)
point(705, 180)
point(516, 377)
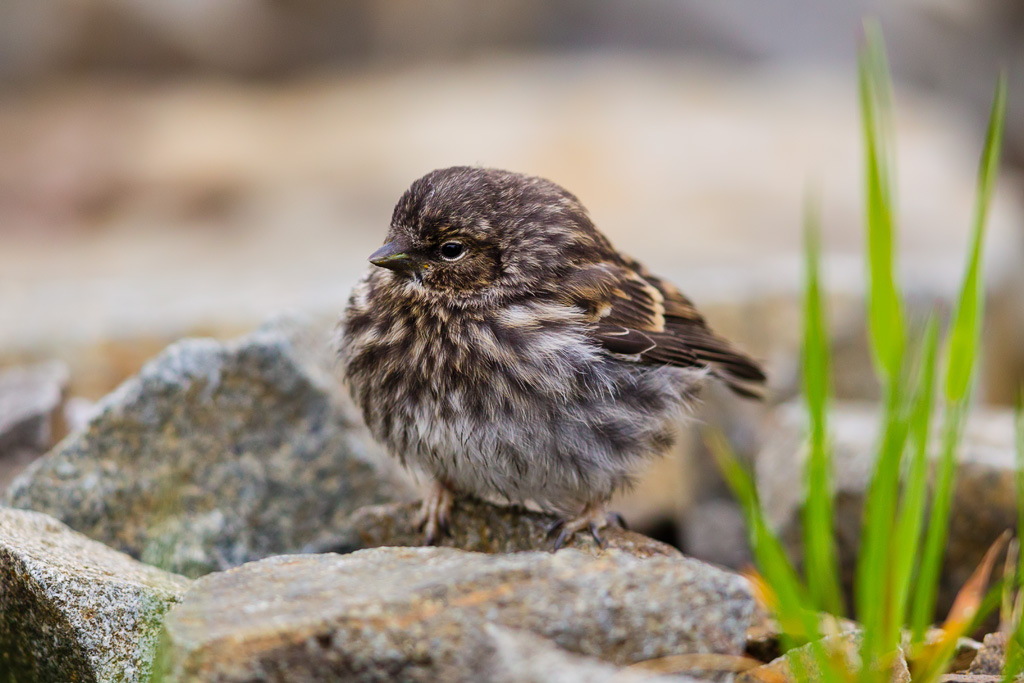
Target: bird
point(500, 344)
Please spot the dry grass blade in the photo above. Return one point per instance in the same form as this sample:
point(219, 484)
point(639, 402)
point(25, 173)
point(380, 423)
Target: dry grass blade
point(933, 659)
point(768, 676)
point(971, 595)
point(696, 661)
point(764, 594)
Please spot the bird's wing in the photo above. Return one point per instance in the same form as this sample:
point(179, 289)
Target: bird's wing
point(637, 314)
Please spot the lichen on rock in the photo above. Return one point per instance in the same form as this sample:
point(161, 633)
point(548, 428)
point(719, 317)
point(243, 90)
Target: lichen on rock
point(214, 455)
point(72, 609)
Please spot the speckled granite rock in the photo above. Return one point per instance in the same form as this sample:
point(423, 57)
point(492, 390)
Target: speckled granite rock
point(214, 455)
point(480, 527)
point(419, 614)
point(984, 502)
point(72, 609)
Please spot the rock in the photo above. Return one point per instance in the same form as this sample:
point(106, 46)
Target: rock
point(214, 455)
point(763, 641)
point(77, 412)
point(72, 609)
point(521, 657)
point(991, 657)
point(480, 527)
point(764, 634)
point(966, 652)
point(984, 503)
point(840, 647)
point(717, 533)
point(30, 400)
point(419, 614)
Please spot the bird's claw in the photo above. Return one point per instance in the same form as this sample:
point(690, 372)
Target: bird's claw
point(553, 528)
point(434, 518)
point(615, 519)
point(593, 518)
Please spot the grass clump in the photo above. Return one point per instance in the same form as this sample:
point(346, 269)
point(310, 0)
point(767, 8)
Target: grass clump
point(900, 558)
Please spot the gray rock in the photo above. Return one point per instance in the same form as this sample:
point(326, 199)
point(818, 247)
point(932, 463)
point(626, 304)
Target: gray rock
point(480, 527)
point(984, 503)
point(30, 398)
point(521, 657)
point(214, 455)
point(72, 609)
point(717, 533)
point(419, 614)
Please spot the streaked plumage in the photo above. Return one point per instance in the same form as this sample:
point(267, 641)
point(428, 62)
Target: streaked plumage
point(531, 360)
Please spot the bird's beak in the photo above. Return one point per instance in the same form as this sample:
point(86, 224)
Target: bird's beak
point(394, 256)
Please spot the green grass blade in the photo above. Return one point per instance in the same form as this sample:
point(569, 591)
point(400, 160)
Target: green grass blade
point(793, 608)
point(1020, 483)
point(907, 538)
point(874, 560)
point(820, 563)
point(768, 551)
point(926, 587)
point(961, 363)
point(966, 330)
point(1014, 665)
point(888, 340)
point(885, 309)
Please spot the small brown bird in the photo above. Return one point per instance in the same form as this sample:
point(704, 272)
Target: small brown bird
point(501, 344)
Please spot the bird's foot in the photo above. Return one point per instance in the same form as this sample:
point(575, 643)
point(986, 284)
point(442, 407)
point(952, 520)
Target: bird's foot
point(435, 515)
point(593, 518)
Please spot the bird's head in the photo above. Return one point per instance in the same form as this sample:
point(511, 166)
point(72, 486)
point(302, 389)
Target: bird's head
point(467, 233)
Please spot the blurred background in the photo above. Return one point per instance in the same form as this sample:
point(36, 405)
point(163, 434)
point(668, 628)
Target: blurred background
point(173, 168)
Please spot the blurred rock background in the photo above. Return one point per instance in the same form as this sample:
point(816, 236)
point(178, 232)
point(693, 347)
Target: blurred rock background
point(193, 168)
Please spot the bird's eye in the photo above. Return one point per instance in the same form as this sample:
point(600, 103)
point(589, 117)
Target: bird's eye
point(452, 251)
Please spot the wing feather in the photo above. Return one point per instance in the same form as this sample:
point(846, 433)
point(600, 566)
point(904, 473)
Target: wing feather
point(637, 314)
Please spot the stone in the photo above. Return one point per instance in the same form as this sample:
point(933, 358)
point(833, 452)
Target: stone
point(72, 609)
point(29, 398)
point(991, 657)
point(214, 455)
point(480, 527)
point(420, 614)
point(842, 647)
point(764, 635)
point(521, 657)
point(984, 501)
point(30, 402)
point(966, 652)
point(716, 532)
